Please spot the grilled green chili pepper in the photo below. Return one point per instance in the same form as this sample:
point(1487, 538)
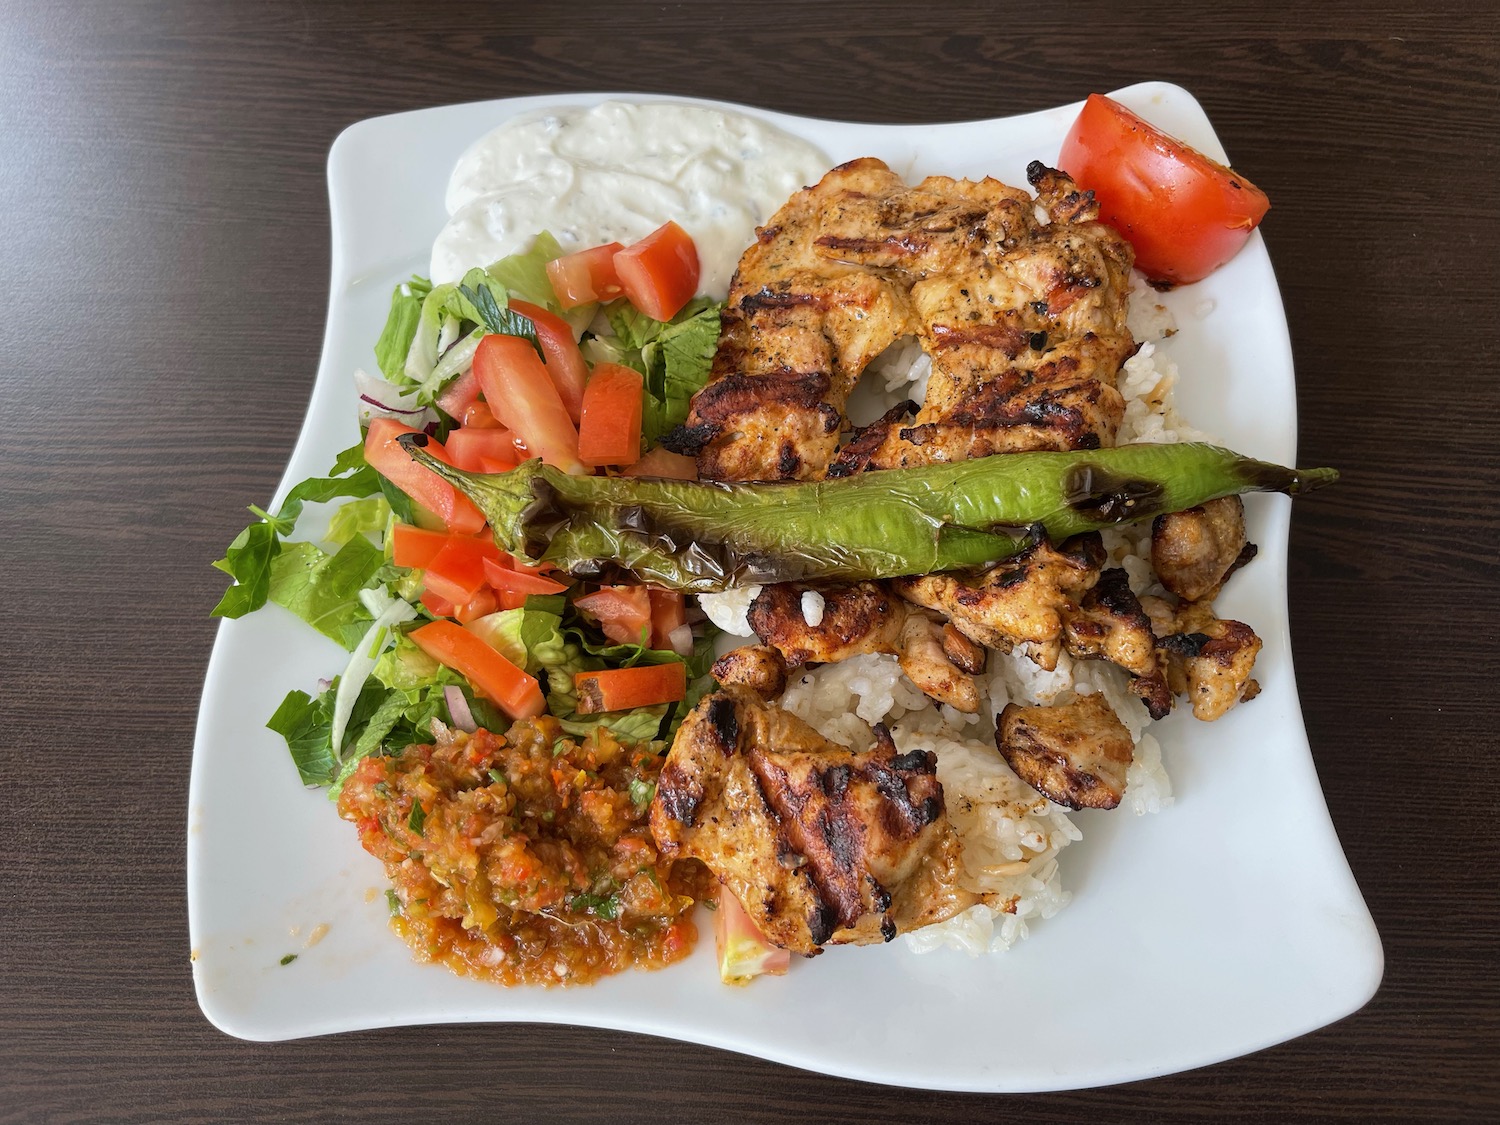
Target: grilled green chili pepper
point(705, 536)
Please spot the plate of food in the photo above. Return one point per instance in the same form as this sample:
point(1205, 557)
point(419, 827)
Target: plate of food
point(807, 588)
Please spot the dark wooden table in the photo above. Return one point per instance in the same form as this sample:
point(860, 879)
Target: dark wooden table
point(164, 255)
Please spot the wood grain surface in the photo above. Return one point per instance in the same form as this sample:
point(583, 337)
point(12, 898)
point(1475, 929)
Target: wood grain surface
point(164, 254)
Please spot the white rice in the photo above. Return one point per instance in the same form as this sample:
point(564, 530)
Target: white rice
point(1011, 835)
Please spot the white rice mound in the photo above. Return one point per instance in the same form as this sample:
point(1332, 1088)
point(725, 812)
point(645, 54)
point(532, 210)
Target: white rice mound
point(1011, 835)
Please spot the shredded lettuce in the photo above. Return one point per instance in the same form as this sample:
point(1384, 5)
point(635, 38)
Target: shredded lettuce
point(675, 357)
point(358, 517)
point(525, 275)
point(401, 326)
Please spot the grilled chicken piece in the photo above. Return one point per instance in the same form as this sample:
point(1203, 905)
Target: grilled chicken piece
point(821, 845)
point(1194, 552)
point(1109, 624)
point(860, 618)
point(798, 329)
point(1026, 331)
point(1019, 601)
point(1206, 658)
point(757, 667)
point(1075, 754)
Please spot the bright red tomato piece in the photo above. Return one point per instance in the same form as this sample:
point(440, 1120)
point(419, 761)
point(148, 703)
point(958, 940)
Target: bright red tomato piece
point(586, 276)
point(387, 457)
point(609, 432)
point(660, 272)
point(523, 397)
point(564, 361)
point(472, 448)
point(1186, 215)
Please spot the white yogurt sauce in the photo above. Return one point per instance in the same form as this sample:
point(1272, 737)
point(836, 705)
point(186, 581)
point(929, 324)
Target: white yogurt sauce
point(614, 173)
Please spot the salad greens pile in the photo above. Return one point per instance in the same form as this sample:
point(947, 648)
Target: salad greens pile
point(347, 587)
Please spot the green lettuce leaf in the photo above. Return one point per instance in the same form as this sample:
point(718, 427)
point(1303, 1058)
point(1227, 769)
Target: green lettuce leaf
point(400, 327)
point(369, 515)
point(525, 275)
point(249, 560)
point(323, 589)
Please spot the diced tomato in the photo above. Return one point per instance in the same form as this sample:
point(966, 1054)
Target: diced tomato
point(460, 394)
point(585, 276)
point(623, 613)
point(511, 599)
point(477, 415)
point(524, 398)
point(660, 272)
point(437, 603)
point(1186, 215)
point(496, 465)
point(503, 578)
point(390, 460)
point(610, 431)
point(449, 643)
point(620, 689)
point(456, 573)
point(744, 952)
point(471, 448)
point(665, 464)
point(668, 613)
point(480, 605)
point(564, 361)
point(415, 546)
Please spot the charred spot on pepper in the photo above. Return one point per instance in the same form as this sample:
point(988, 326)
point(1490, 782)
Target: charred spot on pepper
point(1107, 497)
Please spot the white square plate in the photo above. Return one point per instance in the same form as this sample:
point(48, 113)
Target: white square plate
point(1225, 924)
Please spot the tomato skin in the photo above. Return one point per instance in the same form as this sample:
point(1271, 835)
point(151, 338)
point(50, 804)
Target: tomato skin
point(586, 276)
point(387, 457)
point(505, 580)
point(609, 432)
point(447, 642)
point(523, 398)
point(619, 689)
point(564, 362)
point(1186, 215)
point(660, 272)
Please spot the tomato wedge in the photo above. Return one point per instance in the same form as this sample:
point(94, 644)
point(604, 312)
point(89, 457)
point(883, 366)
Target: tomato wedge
point(482, 604)
point(744, 953)
point(390, 460)
point(585, 276)
point(459, 395)
point(660, 272)
point(456, 573)
point(449, 643)
point(1186, 215)
point(477, 415)
point(415, 546)
point(668, 614)
point(610, 430)
point(623, 613)
point(523, 397)
point(564, 361)
point(619, 689)
point(471, 448)
point(505, 580)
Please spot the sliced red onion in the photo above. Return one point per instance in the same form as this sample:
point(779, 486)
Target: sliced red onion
point(384, 409)
point(380, 399)
point(681, 640)
point(458, 708)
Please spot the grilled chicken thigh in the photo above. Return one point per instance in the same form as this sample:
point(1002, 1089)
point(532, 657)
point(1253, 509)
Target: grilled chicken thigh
point(820, 844)
point(1075, 754)
point(798, 329)
point(866, 617)
point(1195, 551)
point(1208, 659)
